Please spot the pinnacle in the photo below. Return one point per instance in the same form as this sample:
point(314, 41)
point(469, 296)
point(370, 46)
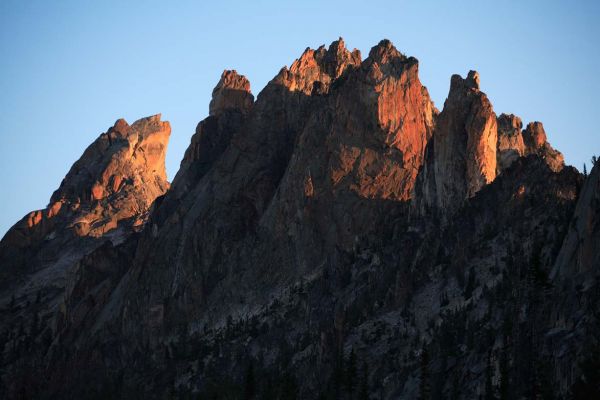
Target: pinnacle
point(384, 51)
point(232, 92)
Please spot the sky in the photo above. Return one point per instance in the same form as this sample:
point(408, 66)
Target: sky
point(70, 69)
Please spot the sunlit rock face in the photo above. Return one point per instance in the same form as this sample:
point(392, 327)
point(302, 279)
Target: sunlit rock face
point(117, 178)
point(339, 216)
point(382, 160)
point(115, 181)
point(232, 92)
point(534, 137)
point(315, 70)
point(513, 142)
point(361, 148)
point(461, 156)
point(471, 146)
point(510, 140)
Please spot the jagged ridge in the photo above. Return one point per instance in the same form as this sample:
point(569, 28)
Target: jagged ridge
point(338, 211)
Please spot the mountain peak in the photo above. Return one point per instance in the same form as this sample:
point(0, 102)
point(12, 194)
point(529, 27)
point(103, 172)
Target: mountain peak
point(314, 70)
point(536, 142)
point(509, 124)
point(473, 79)
point(459, 84)
point(534, 135)
point(232, 92)
point(384, 51)
point(465, 143)
point(121, 170)
point(110, 189)
point(337, 58)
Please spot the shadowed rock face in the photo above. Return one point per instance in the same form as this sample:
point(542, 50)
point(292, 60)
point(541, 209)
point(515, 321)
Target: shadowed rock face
point(579, 257)
point(340, 213)
point(229, 107)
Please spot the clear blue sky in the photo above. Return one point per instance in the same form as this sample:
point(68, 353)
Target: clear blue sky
point(69, 69)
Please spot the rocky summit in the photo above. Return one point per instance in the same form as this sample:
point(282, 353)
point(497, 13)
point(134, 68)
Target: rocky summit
point(338, 237)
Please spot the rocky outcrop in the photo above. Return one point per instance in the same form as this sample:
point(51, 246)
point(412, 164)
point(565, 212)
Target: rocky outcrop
point(362, 149)
point(232, 92)
point(118, 177)
point(470, 147)
point(461, 157)
point(513, 142)
point(112, 185)
point(534, 138)
point(381, 119)
point(229, 107)
point(116, 180)
point(315, 70)
point(510, 141)
point(404, 116)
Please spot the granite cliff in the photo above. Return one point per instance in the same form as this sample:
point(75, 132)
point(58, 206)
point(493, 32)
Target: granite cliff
point(337, 237)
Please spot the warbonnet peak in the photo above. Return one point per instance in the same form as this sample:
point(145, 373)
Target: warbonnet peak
point(337, 237)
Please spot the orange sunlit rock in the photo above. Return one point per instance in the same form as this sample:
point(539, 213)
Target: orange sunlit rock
point(232, 92)
point(97, 191)
point(54, 209)
point(34, 218)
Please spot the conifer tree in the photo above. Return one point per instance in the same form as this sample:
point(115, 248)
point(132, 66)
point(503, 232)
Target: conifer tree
point(424, 386)
point(363, 390)
point(587, 386)
point(504, 379)
point(249, 384)
point(471, 284)
point(490, 390)
point(351, 372)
